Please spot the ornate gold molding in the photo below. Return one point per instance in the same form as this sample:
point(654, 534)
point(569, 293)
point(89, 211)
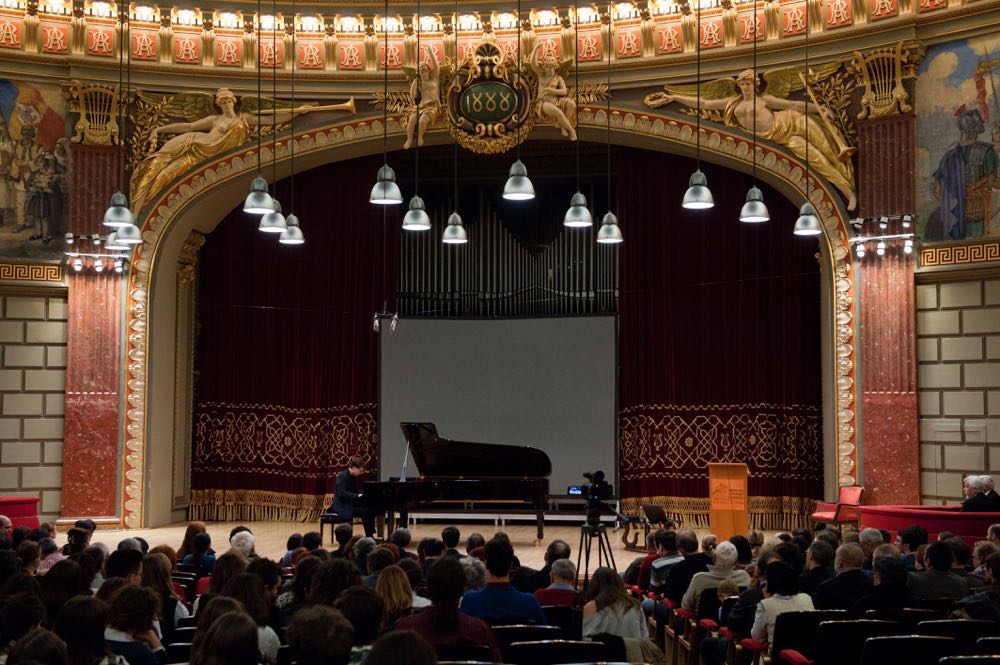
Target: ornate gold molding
point(671, 133)
point(935, 256)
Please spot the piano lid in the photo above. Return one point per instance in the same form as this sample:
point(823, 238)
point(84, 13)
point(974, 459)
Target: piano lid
point(436, 456)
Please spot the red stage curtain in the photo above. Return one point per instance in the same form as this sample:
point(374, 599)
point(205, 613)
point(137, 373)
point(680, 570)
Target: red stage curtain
point(719, 346)
point(287, 374)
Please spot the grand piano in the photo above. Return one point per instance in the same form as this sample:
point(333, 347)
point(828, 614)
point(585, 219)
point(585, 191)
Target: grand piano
point(464, 475)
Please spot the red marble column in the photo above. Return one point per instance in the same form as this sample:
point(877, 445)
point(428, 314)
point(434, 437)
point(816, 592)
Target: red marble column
point(93, 366)
point(890, 451)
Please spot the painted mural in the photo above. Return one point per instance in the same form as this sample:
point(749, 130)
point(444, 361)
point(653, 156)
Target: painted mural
point(34, 165)
point(958, 139)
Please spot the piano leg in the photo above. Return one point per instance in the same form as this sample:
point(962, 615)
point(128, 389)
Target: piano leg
point(541, 525)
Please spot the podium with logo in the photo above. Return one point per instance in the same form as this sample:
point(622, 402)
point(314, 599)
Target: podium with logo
point(728, 512)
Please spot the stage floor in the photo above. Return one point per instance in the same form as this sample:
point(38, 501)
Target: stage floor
point(271, 538)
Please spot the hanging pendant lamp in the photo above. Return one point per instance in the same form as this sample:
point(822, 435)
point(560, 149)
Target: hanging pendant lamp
point(118, 213)
point(754, 210)
point(698, 196)
point(454, 233)
point(518, 186)
point(609, 233)
point(808, 223)
point(386, 191)
point(416, 217)
point(578, 215)
point(258, 201)
point(291, 234)
point(274, 221)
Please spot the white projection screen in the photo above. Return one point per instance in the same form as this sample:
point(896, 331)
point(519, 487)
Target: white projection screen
point(547, 383)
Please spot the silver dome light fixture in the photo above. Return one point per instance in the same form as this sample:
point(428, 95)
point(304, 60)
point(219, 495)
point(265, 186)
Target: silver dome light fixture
point(386, 191)
point(258, 201)
point(518, 186)
point(698, 196)
point(754, 210)
point(578, 215)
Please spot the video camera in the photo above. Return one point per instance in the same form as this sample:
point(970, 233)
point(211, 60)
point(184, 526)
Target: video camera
point(598, 489)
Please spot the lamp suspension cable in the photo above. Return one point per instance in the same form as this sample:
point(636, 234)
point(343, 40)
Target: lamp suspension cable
point(754, 210)
point(292, 234)
point(578, 215)
point(126, 166)
point(274, 221)
point(416, 102)
point(119, 166)
point(454, 233)
point(118, 215)
point(609, 233)
point(386, 191)
point(259, 201)
point(808, 223)
point(698, 196)
point(416, 218)
point(518, 186)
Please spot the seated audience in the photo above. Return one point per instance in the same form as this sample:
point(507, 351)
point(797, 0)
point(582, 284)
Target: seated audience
point(360, 550)
point(19, 614)
point(243, 542)
point(60, 584)
point(214, 609)
point(402, 647)
point(819, 566)
point(962, 564)
point(401, 538)
point(664, 556)
point(201, 554)
point(723, 569)
point(993, 534)
point(50, 555)
point(848, 585)
point(394, 589)
point(415, 574)
point(293, 543)
point(562, 590)
point(126, 564)
point(442, 622)
point(29, 555)
point(330, 579)
point(889, 592)
point(39, 647)
point(293, 597)
point(77, 540)
point(499, 601)
point(269, 573)
point(80, 625)
point(231, 640)
point(129, 632)
point(756, 540)
point(780, 595)
point(682, 572)
point(989, 490)
point(980, 553)
point(450, 536)
point(312, 541)
point(226, 567)
point(379, 559)
point(830, 537)
point(429, 551)
point(976, 500)
point(909, 539)
point(249, 590)
point(320, 636)
point(744, 554)
point(364, 609)
point(475, 573)
point(611, 610)
point(939, 581)
point(869, 539)
point(156, 577)
point(99, 554)
point(342, 534)
point(529, 580)
point(187, 544)
point(473, 541)
point(709, 543)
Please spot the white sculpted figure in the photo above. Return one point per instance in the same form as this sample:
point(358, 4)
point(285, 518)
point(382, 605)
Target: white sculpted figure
point(425, 94)
point(554, 102)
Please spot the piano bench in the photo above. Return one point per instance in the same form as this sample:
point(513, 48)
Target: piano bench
point(333, 519)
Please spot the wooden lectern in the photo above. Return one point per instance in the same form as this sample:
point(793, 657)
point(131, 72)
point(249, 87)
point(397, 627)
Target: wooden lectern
point(727, 492)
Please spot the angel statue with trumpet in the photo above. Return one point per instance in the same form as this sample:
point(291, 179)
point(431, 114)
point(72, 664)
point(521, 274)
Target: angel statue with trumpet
point(204, 135)
point(778, 118)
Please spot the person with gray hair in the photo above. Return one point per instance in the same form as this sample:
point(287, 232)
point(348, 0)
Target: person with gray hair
point(976, 500)
point(562, 590)
point(243, 543)
point(475, 573)
point(402, 538)
point(869, 539)
point(724, 569)
point(990, 492)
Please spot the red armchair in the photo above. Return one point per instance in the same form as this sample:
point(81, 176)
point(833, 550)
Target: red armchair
point(844, 511)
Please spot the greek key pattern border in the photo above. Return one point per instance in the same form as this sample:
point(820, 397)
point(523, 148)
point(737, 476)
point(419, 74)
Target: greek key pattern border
point(31, 272)
point(951, 255)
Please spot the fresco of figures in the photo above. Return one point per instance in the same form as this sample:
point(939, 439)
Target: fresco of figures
point(34, 166)
point(958, 140)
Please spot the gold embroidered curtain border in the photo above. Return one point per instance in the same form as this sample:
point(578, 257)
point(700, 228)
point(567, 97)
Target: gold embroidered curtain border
point(236, 505)
point(767, 513)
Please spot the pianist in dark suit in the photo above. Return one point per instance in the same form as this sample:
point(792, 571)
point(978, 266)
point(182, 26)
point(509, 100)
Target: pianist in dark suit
point(346, 494)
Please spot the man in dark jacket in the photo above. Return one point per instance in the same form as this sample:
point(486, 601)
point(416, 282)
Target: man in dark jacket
point(850, 583)
point(976, 500)
point(530, 581)
point(346, 495)
point(889, 593)
point(938, 582)
point(694, 562)
point(819, 566)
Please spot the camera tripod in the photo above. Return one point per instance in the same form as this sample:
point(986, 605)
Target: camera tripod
point(588, 532)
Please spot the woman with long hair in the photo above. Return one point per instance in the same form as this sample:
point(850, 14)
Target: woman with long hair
point(38, 646)
point(187, 545)
point(226, 568)
point(156, 576)
point(202, 555)
point(29, 555)
point(249, 590)
point(442, 622)
point(231, 640)
point(394, 588)
point(214, 609)
point(293, 598)
point(401, 647)
point(610, 609)
point(58, 586)
point(81, 624)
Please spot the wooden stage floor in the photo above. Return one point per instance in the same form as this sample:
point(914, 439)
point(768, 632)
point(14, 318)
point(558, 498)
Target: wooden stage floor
point(271, 537)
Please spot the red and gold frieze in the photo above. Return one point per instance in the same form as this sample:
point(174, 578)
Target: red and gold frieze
point(711, 33)
point(669, 38)
point(55, 38)
point(10, 32)
point(351, 54)
point(271, 52)
point(793, 19)
point(548, 46)
point(228, 52)
point(101, 41)
point(838, 14)
point(628, 43)
point(882, 9)
point(310, 54)
point(747, 25)
point(391, 58)
point(589, 47)
point(438, 47)
point(187, 48)
point(144, 45)
point(924, 6)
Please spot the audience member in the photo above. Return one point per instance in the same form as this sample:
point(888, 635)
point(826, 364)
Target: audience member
point(243, 542)
point(415, 574)
point(249, 590)
point(130, 627)
point(744, 553)
point(130, 544)
point(939, 581)
point(171, 609)
point(312, 541)
point(20, 583)
point(80, 625)
point(39, 647)
point(780, 595)
point(361, 549)
point(682, 572)
point(293, 543)
point(529, 580)
point(320, 635)
point(709, 543)
point(976, 500)
point(226, 567)
point(993, 534)
point(202, 556)
point(59, 585)
point(29, 555)
point(442, 623)
point(187, 544)
point(394, 589)
point(51, 555)
point(962, 558)
point(229, 641)
point(342, 534)
point(611, 610)
point(19, 614)
point(756, 540)
point(562, 589)
point(980, 553)
point(99, 554)
point(429, 551)
point(294, 596)
point(499, 601)
point(378, 560)
point(869, 539)
point(451, 536)
point(330, 579)
point(364, 609)
point(850, 582)
point(723, 569)
point(215, 608)
point(830, 537)
point(475, 573)
point(110, 587)
point(889, 592)
point(819, 566)
point(473, 541)
point(77, 540)
point(269, 573)
point(402, 647)
point(909, 539)
point(989, 490)
point(401, 538)
point(126, 564)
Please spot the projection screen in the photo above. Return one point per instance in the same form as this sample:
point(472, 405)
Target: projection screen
point(547, 383)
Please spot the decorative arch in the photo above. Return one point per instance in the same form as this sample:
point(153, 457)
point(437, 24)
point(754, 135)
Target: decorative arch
point(201, 199)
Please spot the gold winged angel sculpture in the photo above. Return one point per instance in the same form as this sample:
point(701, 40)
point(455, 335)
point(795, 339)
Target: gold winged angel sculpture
point(778, 118)
point(553, 100)
point(211, 126)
